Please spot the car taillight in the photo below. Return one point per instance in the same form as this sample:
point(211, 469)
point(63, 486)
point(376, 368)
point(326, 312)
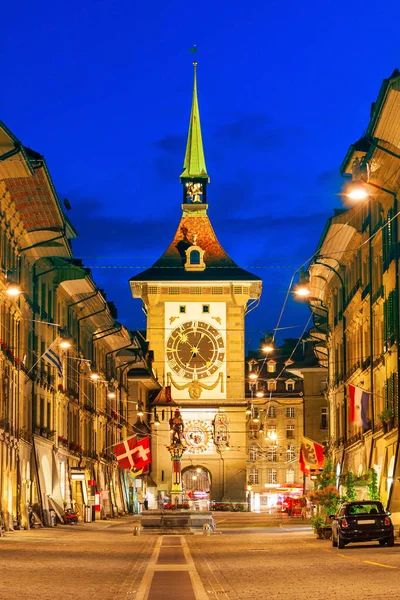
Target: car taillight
point(387, 521)
point(344, 522)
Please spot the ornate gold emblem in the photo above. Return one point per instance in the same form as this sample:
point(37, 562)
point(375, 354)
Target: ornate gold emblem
point(195, 387)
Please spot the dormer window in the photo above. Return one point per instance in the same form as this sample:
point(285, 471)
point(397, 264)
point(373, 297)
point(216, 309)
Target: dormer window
point(194, 258)
point(271, 366)
point(289, 385)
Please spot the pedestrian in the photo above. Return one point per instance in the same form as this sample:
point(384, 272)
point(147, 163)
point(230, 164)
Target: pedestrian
point(146, 503)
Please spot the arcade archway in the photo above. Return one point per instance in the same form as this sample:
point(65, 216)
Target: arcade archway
point(196, 483)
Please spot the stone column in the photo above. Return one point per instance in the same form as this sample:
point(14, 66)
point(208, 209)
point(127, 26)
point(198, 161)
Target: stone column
point(176, 450)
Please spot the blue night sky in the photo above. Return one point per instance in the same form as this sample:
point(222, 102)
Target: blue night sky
point(103, 89)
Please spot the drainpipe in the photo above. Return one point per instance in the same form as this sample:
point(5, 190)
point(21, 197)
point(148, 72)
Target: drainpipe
point(116, 350)
point(343, 298)
point(116, 328)
point(79, 302)
point(58, 237)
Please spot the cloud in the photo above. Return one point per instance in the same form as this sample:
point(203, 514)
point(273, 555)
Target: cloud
point(171, 143)
point(330, 177)
point(254, 130)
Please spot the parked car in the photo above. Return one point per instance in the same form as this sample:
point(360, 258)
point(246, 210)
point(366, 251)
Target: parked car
point(364, 521)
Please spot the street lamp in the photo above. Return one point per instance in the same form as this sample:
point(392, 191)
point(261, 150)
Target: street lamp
point(268, 345)
point(13, 288)
point(302, 288)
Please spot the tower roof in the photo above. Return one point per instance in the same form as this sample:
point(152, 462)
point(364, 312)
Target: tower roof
point(219, 266)
point(194, 166)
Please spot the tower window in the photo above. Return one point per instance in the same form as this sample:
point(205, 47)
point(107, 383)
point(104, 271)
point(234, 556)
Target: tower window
point(206, 308)
point(194, 257)
point(182, 309)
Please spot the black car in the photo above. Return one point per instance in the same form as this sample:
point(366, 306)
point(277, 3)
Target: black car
point(364, 521)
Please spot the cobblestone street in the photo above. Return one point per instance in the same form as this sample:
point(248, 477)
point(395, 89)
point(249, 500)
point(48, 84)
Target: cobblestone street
point(245, 560)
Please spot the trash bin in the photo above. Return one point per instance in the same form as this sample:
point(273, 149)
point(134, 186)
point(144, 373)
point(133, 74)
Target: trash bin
point(88, 514)
point(206, 529)
point(136, 530)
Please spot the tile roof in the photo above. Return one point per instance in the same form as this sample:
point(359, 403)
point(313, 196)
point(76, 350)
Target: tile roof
point(219, 266)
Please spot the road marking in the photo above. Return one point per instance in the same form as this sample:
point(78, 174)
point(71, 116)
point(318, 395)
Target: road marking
point(369, 562)
point(145, 585)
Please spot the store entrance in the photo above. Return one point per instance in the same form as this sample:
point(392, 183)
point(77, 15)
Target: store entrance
point(196, 483)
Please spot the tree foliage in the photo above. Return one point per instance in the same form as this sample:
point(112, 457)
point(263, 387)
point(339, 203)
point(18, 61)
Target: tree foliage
point(325, 493)
point(350, 494)
point(373, 491)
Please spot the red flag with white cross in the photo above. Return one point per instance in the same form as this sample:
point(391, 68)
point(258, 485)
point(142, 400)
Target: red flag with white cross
point(133, 454)
point(142, 453)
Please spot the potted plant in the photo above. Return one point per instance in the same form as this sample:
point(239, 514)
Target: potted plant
point(386, 417)
point(320, 527)
point(326, 498)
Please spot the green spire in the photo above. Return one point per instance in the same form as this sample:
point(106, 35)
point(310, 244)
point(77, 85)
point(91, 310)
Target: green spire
point(194, 166)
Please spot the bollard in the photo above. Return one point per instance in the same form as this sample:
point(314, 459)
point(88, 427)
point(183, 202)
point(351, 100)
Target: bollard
point(206, 529)
point(136, 530)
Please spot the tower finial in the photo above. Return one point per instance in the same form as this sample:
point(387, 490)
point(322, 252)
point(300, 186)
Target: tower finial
point(194, 166)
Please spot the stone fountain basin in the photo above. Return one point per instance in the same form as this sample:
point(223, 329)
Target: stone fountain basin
point(176, 519)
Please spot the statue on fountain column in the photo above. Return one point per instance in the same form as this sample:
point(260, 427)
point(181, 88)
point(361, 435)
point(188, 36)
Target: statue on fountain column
point(176, 426)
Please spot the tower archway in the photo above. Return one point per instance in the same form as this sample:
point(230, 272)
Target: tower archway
point(196, 484)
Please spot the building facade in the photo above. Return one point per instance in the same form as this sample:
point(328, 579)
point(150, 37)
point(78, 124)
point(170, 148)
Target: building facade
point(196, 299)
point(60, 415)
point(354, 288)
point(286, 401)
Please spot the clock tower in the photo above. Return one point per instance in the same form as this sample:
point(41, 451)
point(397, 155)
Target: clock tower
point(196, 298)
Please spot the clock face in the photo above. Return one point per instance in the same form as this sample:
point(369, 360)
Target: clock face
point(195, 350)
point(198, 436)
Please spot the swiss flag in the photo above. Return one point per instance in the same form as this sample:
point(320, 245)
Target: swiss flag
point(142, 454)
point(133, 454)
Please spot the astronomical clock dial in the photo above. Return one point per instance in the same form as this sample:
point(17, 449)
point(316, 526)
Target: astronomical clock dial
point(195, 350)
point(198, 436)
